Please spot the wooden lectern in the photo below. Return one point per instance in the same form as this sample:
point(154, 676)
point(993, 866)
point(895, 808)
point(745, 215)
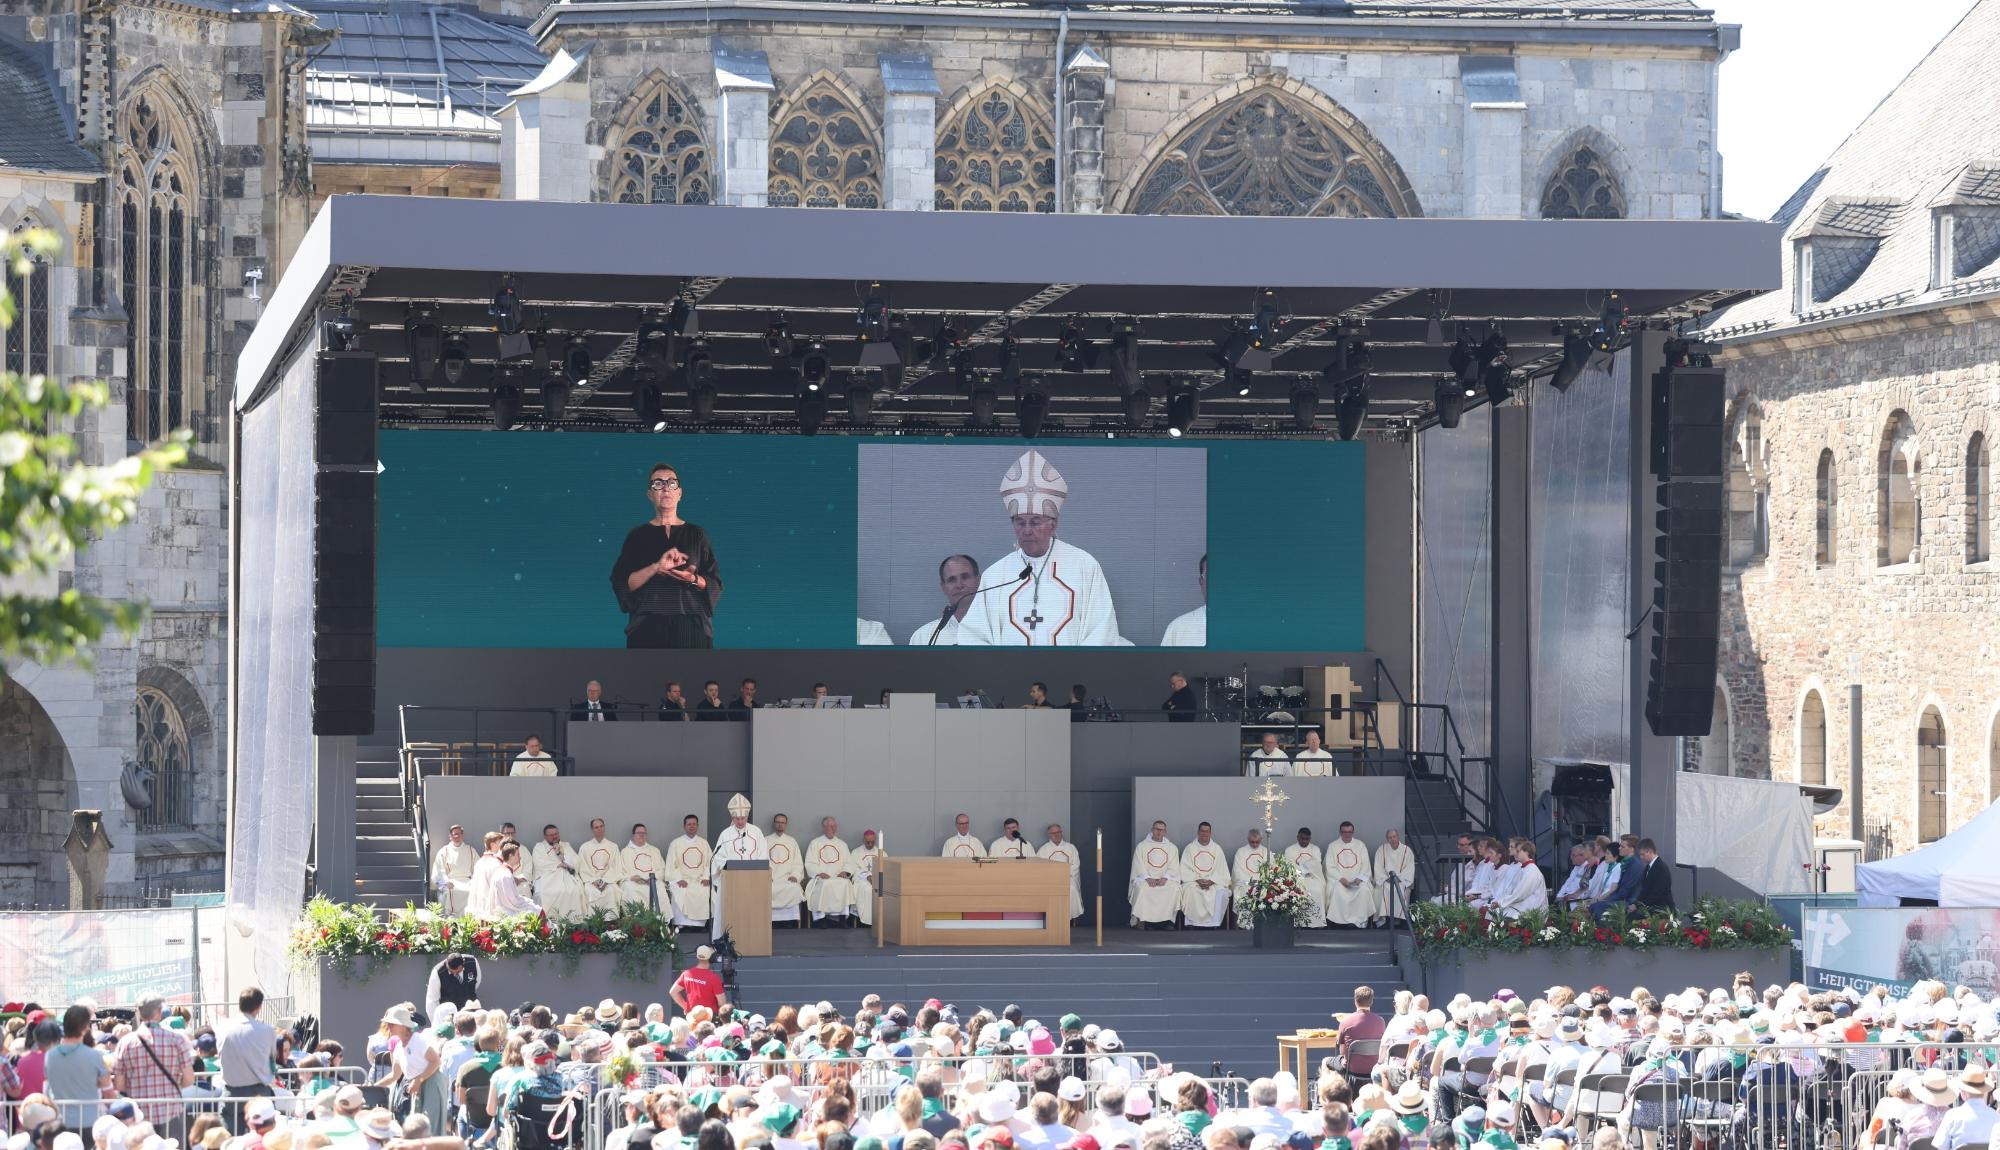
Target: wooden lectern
point(746, 907)
point(968, 902)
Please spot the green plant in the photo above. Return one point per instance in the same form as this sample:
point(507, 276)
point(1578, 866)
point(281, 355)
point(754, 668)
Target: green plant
point(1276, 889)
point(640, 939)
point(1444, 931)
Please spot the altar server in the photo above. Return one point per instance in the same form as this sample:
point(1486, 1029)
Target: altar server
point(1063, 600)
point(1312, 873)
point(688, 859)
point(788, 871)
point(740, 841)
point(829, 874)
point(451, 871)
point(1062, 851)
point(1350, 881)
point(601, 866)
point(485, 873)
point(963, 845)
point(1156, 879)
point(557, 886)
point(1394, 858)
point(645, 871)
point(1204, 880)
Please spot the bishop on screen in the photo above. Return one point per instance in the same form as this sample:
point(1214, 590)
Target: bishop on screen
point(1045, 592)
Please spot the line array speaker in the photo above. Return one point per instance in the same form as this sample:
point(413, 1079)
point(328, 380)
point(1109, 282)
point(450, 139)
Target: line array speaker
point(344, 520)
point(1687, 456)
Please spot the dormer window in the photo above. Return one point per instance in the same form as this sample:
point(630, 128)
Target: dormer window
point(1836, 247)
point(1965, 227)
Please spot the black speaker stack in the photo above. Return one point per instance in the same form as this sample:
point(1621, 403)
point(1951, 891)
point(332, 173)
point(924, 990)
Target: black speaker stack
point(1687, 458)
point(344, 490)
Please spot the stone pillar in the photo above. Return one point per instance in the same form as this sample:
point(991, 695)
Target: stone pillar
point(743, 117)
point(1496, 122)
point(88, 850)
point(1082, 131)
point(909, 133)
point(544, 148)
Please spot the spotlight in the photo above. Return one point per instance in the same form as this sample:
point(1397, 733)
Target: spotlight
point(699, 373)
point(945, 344)
point(505, 308)
point(1576, 357)
point(454, 357)
point(985, 398)
point(424, 342)
point(1138, 405)
point(1031, 405)
point(1183, 405)
point(1434, 326)
point(860, 399)
point(1305, 404)
point(1242, 350)
point(873, 318)
point(555, 396)
point(1464, 363)
point(538, 351)
point(1449, 399)
point(1125, 356)
point(1265, 324)
point(1073, 351)
point(1242, 380)
point(812, 410)
point(813, 365)
point(777, 338)
point(1010, 361)
point(1352, 411)
point(681, 317)
point(576, 358)
point(506, 404)
point(655, 347)
point(1495, 374)
point(1611, 323)
point(647, 402)
point(339, 327)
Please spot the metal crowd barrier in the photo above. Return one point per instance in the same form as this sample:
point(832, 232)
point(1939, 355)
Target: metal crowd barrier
point(170, 1117)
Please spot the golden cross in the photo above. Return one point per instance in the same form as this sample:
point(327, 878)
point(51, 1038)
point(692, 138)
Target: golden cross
point(1270, 796)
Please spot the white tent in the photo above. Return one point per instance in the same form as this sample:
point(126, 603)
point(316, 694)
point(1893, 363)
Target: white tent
point(1960, 869)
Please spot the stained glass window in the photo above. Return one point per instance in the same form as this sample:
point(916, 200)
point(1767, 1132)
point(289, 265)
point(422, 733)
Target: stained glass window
point(156, 204)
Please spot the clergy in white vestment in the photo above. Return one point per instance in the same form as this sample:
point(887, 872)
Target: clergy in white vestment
point(1312, 761)
point(1270, 759)
point(1010, 844)
point(1204, 880)
point(1520, 887)
point(601, 866)
point(869, 633)
point(963, 844)
point(485, 870)
point(1191, 629)
point(788, 871)
point(506, 898)
point(1312, 873)
point(829, 874)
point(958, 578)
point(867, 862)
point(533, 762)
point(1485, 877)
point(645, 871)
point(525, 868)
point(1394, 858)
point(1350, 880)
point(1156, 879)
point(451, 871)
point(1050, 593)
point(740, 841)
point(687, 874)
point(1249, 859)
point(1061, 850)
point(557, 886)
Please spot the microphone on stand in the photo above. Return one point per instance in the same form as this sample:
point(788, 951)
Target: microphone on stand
point(1027, 573)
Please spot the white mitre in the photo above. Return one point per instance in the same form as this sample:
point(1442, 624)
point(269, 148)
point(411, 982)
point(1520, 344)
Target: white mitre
point(1033, 486)
point(739, 807)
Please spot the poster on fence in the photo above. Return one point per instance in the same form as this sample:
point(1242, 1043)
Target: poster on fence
point(1897, 947)
point(111, 957)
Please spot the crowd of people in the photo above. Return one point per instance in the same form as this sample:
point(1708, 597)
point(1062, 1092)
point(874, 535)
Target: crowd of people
point(1626, 872)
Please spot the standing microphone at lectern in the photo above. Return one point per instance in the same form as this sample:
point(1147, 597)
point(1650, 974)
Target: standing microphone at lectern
point(958, 576)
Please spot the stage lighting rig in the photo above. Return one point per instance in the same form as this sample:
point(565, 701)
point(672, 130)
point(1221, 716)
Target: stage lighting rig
point(860, 398)
point(506, 307)
point(698, 371)
point(1125, 356)
point(1495, 373)
point(423, 341)
point(1010, 361)
point(1348, 376)
point(985, 399)
point(1352, 410)
point(1241, 381)
point(1612, 322)
point(1464, 363)
point(1576, 357)
point(812, 408)
point(1183, 407)
point(648, 403)
point(506, 404)
point(576, 361)
point(1265, 324)
point(873, 318)
point(555, 396)
point(654, 346)
point(454, 358)
point(944, 345)
point(1241, 349)
point(1305, 404)
point(813, 364)
point(1449, 399)
point(778, 337)
point(1073, 351)
point(339, 327)
point(1031, 405)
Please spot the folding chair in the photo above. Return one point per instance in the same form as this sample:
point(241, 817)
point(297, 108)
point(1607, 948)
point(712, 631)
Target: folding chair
point(1670, 1096)
point(1360, 1048)
point(1711, 1103)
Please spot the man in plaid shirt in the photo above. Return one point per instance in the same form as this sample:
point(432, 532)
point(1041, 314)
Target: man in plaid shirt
point(151, 1066)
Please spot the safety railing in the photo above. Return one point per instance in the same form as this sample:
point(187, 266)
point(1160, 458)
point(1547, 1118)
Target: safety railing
point(1786, 1095)
point(429, 760)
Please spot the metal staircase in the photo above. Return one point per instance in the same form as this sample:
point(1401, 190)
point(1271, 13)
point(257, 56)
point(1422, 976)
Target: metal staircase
point(1446, 793)
point(388, 873)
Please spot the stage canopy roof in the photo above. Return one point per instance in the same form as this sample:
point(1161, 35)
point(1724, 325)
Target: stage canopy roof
point(1403, 288)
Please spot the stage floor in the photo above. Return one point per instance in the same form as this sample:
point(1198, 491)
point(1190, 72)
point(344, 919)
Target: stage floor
point(1357, 945)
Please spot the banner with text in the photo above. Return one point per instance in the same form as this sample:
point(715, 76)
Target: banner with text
point(1897, 947)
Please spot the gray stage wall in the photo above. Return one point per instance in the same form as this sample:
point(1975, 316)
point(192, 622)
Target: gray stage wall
point(1372, 805)
point(482, 804)
point(720, 752)
point(908, 769)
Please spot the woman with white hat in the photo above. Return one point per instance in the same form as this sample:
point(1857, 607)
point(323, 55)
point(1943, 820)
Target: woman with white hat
point(414, 1064)
point(1934, 1096)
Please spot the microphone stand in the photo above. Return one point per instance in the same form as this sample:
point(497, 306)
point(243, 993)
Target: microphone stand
point(1027, 573)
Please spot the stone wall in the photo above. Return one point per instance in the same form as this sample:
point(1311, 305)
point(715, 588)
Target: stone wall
point(1919, 634)
point(37, 790)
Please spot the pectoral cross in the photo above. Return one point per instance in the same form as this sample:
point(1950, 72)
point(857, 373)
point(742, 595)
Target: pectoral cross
point(1271, 797)
point(1034, 617)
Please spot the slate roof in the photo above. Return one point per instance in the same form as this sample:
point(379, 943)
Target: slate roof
point(397, 64)
point(34, 133)
point(1933, 141)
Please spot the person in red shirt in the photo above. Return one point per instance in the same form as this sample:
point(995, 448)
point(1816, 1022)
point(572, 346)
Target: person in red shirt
point(1364, 1025)
point(697, 985)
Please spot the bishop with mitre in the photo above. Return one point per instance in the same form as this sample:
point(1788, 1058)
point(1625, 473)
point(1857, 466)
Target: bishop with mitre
point(829, 874)
point(1156, 879)
point(1046, 592)
point(740, 841)
point(687, 874)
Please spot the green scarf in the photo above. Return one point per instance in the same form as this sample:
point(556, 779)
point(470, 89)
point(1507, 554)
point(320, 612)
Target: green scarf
point(1738, 1060)
point(1413, 1124)
point(1337, 1142)
point(932, 1108)
point(490, 1059)
point(1499, 1139)
point(1193, 1121)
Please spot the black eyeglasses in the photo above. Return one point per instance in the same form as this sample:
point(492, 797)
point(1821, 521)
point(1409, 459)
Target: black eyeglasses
point(664, 484)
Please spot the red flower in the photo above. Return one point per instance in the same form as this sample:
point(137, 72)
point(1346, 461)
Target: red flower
point(576, 936)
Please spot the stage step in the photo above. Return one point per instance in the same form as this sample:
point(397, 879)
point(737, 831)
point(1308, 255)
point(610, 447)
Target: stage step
point(388, 873)
point(1219, 1002)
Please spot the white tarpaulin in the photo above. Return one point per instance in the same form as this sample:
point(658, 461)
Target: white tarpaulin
point(1960, 869)
point(1756, 832)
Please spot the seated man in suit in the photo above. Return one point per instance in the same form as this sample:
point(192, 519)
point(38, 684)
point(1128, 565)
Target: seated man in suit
point(593, 709)
point(1629, 872)
point(1656, 879)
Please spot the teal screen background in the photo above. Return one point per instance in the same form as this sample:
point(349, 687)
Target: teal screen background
point(507, 540)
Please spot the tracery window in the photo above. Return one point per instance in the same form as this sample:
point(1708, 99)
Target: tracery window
point(661, 155)
point(27, 346)
point(997, 153)
point(1270, 152)
point(1583, 188)
point(156, 197)
point(162, 747)
point(825, 151)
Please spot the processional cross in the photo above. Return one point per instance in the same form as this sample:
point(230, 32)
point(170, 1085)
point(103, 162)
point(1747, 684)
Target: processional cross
point(1271, 797)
